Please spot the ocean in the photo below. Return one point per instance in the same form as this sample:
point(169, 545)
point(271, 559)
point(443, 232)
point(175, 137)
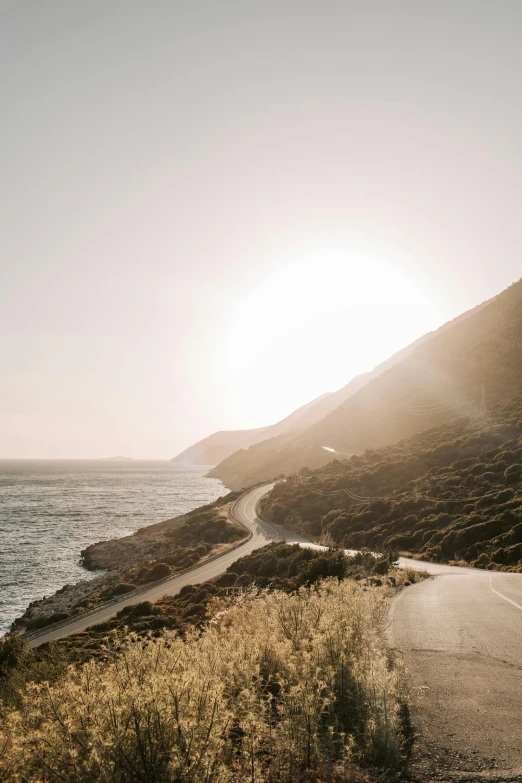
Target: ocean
point(52, 509)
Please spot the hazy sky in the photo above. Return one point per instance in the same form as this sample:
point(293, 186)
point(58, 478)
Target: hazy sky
point(214, 211)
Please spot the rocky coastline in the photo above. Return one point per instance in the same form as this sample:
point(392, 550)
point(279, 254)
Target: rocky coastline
point(151, 553)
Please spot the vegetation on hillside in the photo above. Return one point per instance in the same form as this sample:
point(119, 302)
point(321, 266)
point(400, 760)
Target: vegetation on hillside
point(206, 524)
point(277, 566)
point(266, 461)
point(451, 493)
point(275, 671)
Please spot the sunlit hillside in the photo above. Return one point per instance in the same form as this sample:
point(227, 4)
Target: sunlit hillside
point(467, 366)
point(266, 443)
point(220, 445)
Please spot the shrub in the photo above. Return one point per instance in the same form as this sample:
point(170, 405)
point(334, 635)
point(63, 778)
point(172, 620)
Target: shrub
point(278, 687)
point(512, 474)
point(122, 588)
point(159, 571)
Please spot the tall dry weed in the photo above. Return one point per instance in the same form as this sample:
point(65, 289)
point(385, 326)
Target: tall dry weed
point(278, 687)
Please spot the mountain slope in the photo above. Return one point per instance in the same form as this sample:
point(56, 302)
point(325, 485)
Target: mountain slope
point(220, 445)
point(470, 361)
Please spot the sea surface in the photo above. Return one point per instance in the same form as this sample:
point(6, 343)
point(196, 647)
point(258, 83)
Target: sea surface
point(52, 509)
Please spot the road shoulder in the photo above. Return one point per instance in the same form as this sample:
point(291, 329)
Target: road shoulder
point(466, 710)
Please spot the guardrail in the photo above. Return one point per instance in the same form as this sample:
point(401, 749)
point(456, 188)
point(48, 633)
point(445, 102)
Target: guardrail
point(32, 635)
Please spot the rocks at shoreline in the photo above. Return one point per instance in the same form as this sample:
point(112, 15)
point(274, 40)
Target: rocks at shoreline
point(63, 603)
point(120, 553)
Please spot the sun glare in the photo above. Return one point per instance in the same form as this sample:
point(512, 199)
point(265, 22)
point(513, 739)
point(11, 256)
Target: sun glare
point(317, 322)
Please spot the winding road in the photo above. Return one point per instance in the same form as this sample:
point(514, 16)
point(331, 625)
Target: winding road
point(460, 635)
point(244, 511)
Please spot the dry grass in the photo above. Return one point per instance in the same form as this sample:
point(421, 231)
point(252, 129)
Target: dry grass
point(278, 688)
point(409, 576)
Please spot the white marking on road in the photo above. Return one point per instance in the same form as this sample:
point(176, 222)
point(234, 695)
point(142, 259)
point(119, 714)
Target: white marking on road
point(503, 596)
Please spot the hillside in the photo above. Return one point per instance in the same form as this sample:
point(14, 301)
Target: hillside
point(220, 445)
point(450, 493)
point(470, 361)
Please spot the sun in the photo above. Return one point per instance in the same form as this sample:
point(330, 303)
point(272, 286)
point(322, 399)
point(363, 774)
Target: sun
point(315, 323)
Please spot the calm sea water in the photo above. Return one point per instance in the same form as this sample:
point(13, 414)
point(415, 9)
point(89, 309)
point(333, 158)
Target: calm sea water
point(52, 509)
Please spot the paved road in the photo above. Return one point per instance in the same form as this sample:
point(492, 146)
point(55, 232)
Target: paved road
point(460, 634)
point(245, 510)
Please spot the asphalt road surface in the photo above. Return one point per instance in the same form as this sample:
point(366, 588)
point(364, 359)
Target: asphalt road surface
point(460, 634)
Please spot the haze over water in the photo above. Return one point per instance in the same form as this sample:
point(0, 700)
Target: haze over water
point(52, 509)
